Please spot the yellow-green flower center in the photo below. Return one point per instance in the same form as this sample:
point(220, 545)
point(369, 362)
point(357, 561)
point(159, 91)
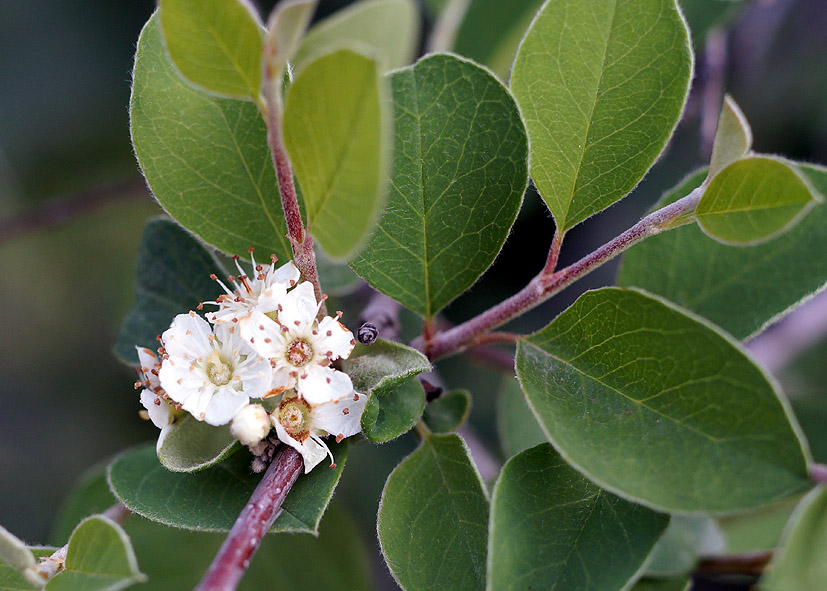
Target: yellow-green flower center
point(299, 353)
point(294, 416)
point(219, 371)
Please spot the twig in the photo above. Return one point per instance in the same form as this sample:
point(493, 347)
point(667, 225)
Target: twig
point(300, 240)
point(383, 313)
point(553, 253)
point(544, 286)
point(493, 338)
point(59, 210)
point(232, 560)
point(818, 473)
point(752, 563)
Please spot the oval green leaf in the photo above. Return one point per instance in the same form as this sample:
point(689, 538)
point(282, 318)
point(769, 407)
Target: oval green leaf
point(458, 179)
point(551, 528)
point(660, 407)
point(384, 372)
point(742, 289)
point(733, 137)
point(173, 277)
point(433, 518)
point(191, 445)
point(687, 538)
point(387, 29)
point(336, 134)
point(448, 412)
point(799, 564)
point(11, 579)
point(14, 552)
point(211, 500)
point(285, 30)
point(757, 531)
point(100, 558)
point(754, 199)
point(205, 158)
point(215, 44)
point(601, 85)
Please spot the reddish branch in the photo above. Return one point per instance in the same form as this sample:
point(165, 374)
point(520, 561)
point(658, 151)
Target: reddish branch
point(548, 283)
point(232, 560)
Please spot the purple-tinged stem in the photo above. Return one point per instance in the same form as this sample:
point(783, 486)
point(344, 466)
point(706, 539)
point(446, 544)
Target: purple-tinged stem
point(818, 473)
point(232, 560)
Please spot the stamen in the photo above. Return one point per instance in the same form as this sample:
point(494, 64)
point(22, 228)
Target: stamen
point(214, 277)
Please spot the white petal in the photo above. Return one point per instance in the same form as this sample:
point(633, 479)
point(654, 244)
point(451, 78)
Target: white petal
point(341, 417)
point(161, 436)
point(157, 408)
point(180, 379)
point(288, 273)
point(334, 340)
point(323, 384)
point(312, 452)
point(188, 336)
point(147, 358)
point(223, 406)
point(255, 374)
point(263, 334)
point(197, 401)
point(299, 307)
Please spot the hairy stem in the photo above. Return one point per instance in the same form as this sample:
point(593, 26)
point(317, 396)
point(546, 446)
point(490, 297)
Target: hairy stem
point(232, 560)
point(547, 284)
point(300, 240)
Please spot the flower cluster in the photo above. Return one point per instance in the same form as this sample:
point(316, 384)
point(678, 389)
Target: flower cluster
point(263, 342)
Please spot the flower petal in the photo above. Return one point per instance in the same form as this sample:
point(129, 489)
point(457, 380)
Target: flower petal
point(263, 334)
point(188, 336)
point(323, 384)
point(334, 340)
point(299, 307)
point(181, 378)
point(157, 408)
point(223, 405)
point(340, 417)
point(255, 375)
point(312, 451)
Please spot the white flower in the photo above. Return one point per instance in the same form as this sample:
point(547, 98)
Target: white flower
point(153, 397)
point(301, 425)
point(251, 424)
point(300, 349)
point(261, 294)
point(211, 375)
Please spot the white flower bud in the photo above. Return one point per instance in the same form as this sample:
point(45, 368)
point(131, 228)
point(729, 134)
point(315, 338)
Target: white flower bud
point(251, 424)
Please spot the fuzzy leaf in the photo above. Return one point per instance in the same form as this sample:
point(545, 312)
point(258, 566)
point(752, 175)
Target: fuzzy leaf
point(173, 277)
point(552, 528)
point(387, 29)
point(733, 137)
point(285, 30)
point(754, 199)
point(211, 500)
point(799, 564)
point(336, 134)
point(100, 558)
point(215, 44)
point(448, 412)
point(205, 158)
point(433, 518)
point(384, 372)
point(742, 289)
point(11, 579)
point(458, 179)
point(14, 552)
point(191, 445)
point(757, 531)
point(660, 407)
point(687, 538)
point(601, 85)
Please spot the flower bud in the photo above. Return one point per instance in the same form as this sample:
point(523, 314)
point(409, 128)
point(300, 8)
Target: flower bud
point(251, 424)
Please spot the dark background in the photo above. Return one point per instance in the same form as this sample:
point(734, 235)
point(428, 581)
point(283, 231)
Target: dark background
point(65, 403)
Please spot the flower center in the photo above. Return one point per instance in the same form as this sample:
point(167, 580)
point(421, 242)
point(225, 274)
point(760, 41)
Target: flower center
point(219, 372)
point(294, 416)
point(299, 353)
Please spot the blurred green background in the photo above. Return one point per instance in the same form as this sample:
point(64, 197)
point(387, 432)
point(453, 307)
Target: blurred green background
point(65, 403)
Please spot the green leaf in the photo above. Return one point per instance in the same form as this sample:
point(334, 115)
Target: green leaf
point(383, 371)
point(285, 30)
point(553, 529)
point(754, 199)
point(386, 29)
point(175, 559)
point(99, 558)
point(651, 402)
point(448, 412)
point(458, 179)
point(211, 500)
point(11, 579)
point(14, 552)
point(517, 428)
point(491, 30)
point(601, 86)
point(191, 445)
point(336, 135)
point(675, 584)
point(757, 531)
point(740, 289)
point(733, 137)
point(215, 44)
point(799, 565)
point(173, 277)
point(687, 538)
point(433, 518)
point(206, 159)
